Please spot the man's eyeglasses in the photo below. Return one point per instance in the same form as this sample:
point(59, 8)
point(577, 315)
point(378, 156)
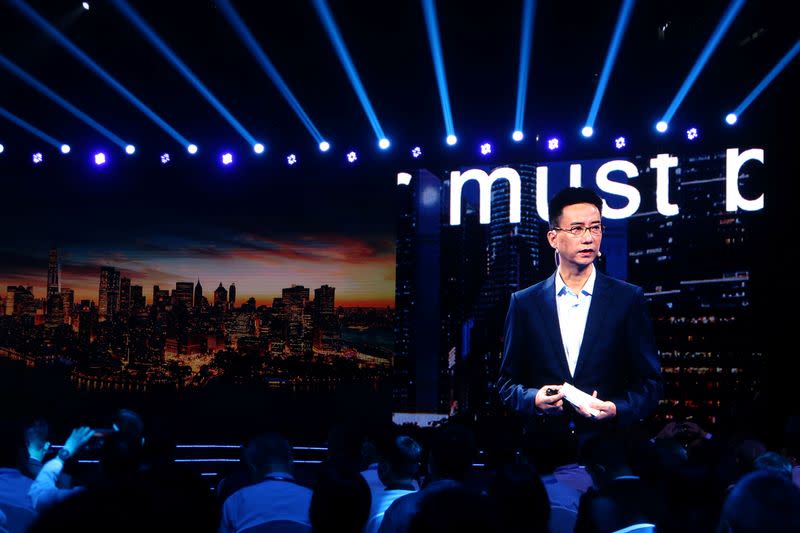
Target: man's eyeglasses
point(579, 231)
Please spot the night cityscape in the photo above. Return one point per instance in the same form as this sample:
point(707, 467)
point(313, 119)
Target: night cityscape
point(187, 336)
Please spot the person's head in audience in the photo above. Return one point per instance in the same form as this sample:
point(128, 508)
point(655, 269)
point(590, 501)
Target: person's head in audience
point(761, 501)
point(519, 499)
point(36, 435)
point(605, 457)
point(345, 447)
point(268, 453)
point(120, 456)
point(451, 453)
point(340, 502)
point(774, 463)
point(400, 462)
point(453, 509)
point(129, 423)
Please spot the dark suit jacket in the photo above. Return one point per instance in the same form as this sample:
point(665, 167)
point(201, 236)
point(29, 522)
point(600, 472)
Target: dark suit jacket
point(618, 355)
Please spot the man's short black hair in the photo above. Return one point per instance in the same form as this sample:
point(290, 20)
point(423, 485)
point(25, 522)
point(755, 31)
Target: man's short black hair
point(571, 196)
point(36, 433)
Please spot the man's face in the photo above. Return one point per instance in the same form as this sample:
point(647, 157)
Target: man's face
point(580, 250)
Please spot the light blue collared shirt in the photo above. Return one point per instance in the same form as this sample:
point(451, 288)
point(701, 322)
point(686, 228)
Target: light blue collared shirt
point(573, 311)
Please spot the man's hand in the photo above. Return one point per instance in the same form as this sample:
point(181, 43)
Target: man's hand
point(549, 405)
point(606, 409)
point(77, 439)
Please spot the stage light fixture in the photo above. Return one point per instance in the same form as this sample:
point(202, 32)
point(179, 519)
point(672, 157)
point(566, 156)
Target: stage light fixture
point(661, 126)
point(517, 136)
point(451, 140)
point(65, 148)
point(99, 158)
point(416, 152)
point(324, 146)
point(37, 158)
point(2, 148)
point(227, 158)
point(552, 144)
point(486, 149)
point(192, 149)
point(731, 119)
point(85, 6)
point(384, 143)
point(130, 149)
point(619, 142)
point(258, 148)
point(587, 131)
point(691, 134)
point(351, 157)
point(291, 159)
point(164, 158)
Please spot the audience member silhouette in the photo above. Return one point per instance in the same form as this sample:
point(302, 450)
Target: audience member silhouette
point(454, 509)
point(761, 501)
point(36, 446)
point(520, 501)
point(451, 454)
point(396, 470)
point(276, 497)
point(340, 503)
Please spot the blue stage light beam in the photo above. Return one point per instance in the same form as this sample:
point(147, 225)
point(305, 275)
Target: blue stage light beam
point(325, 15)
point(39, 86)
point(48, 28)
point(528, 11)
point(263, 60)
point(777, 69)
point(429, 8)
point(165, 50)
point(619, 31)
point(727, 19)
point(31, 129)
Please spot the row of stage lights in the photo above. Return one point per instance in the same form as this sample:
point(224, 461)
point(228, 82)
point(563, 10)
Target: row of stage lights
point(485, 148)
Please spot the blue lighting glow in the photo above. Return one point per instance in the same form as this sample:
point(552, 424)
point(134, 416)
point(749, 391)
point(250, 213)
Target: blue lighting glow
point(528, 10)
point(785, 60)
point(130, 149)
point(352, 157)
point(324, 146)
point(2, 148)
point(291, 159)
point(731, 118)
point(192, 149)
point(432, 25)
point(416, 152)
point(661, 126)
point(99, 158)
point(148, 33)
point(552, 144)
point(619, 31)
point(451, 140)
point(65, 149)
point(39, 86)
point(30, 128)
point(587, 131)
point(38, 158)
point(261, 57)
point(619, 142)
point(517, 136)
point(692, 134)
point(227, 158)
point(384, 143)
point(486, 149)
point(258, 148)
point(339, 46)
point(711, 45)
point(34, 17)
point(164, 158)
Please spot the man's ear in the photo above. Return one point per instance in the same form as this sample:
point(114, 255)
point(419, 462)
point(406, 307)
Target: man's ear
point(46, 446)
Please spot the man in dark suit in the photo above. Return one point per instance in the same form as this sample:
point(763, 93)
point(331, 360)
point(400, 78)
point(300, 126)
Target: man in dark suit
point(581, 327)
